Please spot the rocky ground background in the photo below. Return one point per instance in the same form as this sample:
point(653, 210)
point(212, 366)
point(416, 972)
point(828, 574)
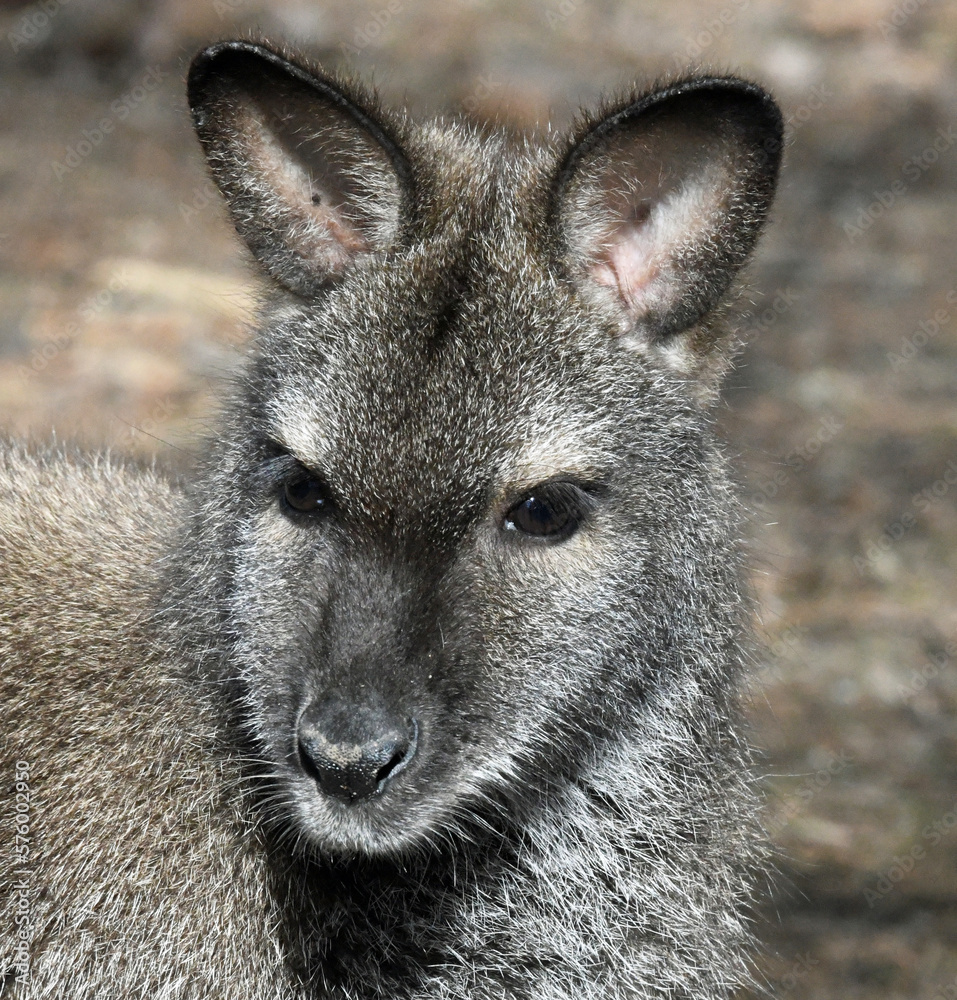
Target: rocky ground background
point(123, 296)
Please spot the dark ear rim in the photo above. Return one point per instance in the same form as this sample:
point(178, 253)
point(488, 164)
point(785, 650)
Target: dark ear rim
point(213, 56)
point(582, 143)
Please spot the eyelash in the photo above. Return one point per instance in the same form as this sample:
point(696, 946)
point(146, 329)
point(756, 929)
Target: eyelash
point(551, 511)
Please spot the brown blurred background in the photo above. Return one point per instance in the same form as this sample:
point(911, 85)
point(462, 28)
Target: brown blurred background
point(123, 296)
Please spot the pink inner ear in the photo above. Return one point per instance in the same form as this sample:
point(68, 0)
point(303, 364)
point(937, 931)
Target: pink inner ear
point(640, 256)
point(340, 229)
point(629, 259)
point(313, 208)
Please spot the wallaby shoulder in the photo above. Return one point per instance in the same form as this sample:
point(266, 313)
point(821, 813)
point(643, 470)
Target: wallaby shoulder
point(129, 840)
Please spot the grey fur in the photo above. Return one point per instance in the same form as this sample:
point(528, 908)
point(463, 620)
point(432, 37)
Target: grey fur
point(458, 320)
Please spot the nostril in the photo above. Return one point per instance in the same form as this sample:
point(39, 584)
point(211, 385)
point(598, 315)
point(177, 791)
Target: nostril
point(308, 759)
point(402, 754)
point(353, 752)
point(394, 761)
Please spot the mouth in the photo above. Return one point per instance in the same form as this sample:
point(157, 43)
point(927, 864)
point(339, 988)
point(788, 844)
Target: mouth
point(355, 780)
point(379, 779)
point(390, 823)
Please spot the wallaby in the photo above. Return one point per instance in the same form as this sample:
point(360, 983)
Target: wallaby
point(425, 685)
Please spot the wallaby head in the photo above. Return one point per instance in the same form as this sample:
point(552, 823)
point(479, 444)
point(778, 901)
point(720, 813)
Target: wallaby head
point(465, 532)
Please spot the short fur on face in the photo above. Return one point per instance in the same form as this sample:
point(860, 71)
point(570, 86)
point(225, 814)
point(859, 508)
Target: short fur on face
point(458, 318)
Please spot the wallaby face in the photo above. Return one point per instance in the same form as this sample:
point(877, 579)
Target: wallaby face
point(466, 527)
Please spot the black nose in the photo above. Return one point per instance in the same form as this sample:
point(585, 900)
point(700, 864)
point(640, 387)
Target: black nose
point(353, 750)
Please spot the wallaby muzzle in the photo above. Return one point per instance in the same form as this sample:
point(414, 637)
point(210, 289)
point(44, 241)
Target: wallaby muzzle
point(354, 750)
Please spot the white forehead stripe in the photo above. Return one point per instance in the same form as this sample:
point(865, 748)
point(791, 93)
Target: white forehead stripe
point(557, 453)
point(300, 429)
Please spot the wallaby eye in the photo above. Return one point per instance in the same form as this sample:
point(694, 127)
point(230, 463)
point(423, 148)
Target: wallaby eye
point(552, 510)
point(304, 493)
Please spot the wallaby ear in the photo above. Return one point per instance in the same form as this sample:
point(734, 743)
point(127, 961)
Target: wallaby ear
point(659, 202)
point(311, 175)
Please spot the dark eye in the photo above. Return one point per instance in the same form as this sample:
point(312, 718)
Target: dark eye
point(304, 493)
point(552, 510)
